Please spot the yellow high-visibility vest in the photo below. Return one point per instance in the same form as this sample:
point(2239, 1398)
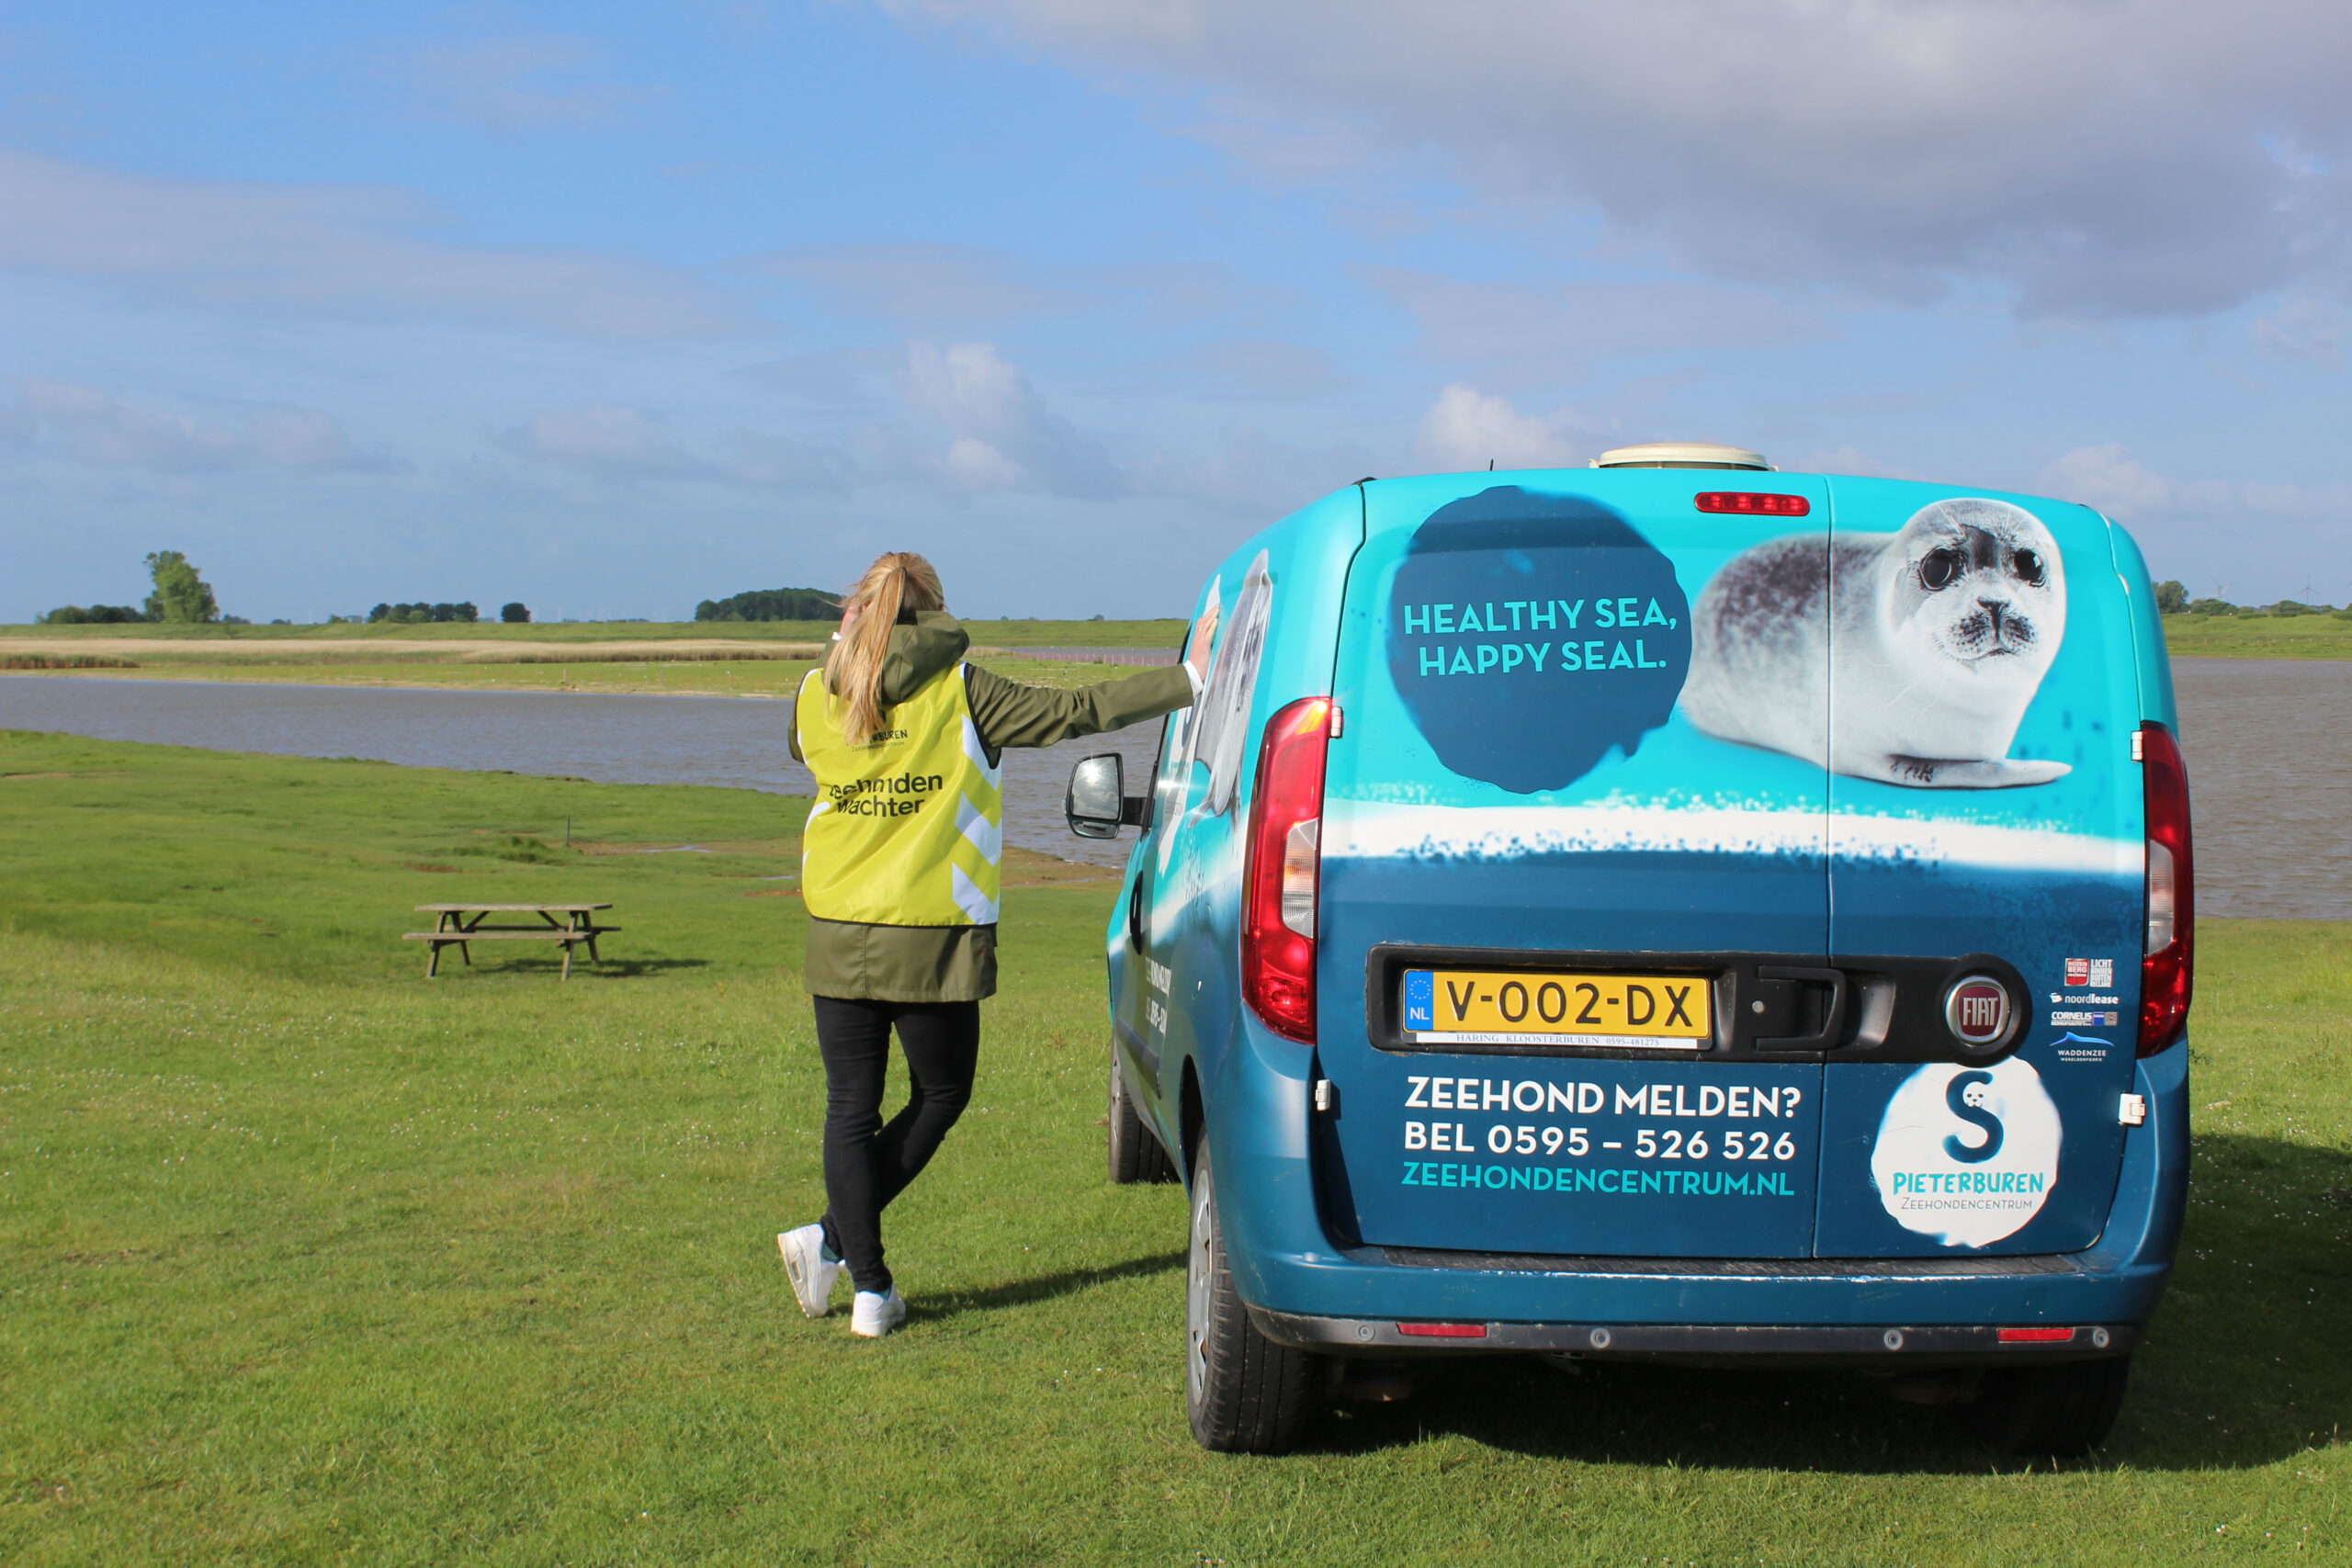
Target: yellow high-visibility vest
point(907, 830)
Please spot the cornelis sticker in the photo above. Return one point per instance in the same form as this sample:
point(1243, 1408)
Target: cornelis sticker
point(1967, 1154)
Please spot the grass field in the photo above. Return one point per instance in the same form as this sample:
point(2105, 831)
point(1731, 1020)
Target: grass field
point(308, 1260)
point(2258, 637)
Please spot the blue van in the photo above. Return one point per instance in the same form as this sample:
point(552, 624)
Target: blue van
point(1676, 910)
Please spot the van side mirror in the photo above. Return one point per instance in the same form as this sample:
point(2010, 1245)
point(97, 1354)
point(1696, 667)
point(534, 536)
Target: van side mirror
point(1097, 805)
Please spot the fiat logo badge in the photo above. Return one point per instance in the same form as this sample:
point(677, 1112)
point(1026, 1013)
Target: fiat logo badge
point(1978, 1011)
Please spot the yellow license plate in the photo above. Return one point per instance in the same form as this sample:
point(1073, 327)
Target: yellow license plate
point(1476, 1007)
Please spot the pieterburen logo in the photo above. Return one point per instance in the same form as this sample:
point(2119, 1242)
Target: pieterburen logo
point(1967, 1154)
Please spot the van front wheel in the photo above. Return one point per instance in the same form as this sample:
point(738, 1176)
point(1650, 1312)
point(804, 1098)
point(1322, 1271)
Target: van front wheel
point(2060, 1409)
point(1136, 1154)
point(1245, 1393)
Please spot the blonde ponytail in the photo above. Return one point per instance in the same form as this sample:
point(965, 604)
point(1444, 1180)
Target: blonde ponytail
point(900, 582)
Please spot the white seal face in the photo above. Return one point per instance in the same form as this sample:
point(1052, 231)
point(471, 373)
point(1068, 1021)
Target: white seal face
point(1967, 1154)
point(1927, 645)
point(1979, 582)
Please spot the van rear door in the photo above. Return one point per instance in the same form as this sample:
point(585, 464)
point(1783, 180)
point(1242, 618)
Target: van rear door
point(1986, 827)
point(1571, 973)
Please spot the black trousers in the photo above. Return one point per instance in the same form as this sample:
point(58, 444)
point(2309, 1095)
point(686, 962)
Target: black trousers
point(867, 1162)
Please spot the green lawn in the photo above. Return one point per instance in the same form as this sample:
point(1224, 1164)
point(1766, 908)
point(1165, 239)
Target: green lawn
point(310, 1261)
point(2258, 637)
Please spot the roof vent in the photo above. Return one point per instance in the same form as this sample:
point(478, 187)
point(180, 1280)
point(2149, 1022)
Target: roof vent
point(1682, 454)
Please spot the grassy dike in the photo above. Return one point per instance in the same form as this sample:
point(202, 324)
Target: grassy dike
point(307, 1260)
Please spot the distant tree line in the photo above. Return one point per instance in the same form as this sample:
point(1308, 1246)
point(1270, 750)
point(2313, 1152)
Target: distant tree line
point(773, 604)
point(403, 614)
point(181, 594)
point(2172, 599)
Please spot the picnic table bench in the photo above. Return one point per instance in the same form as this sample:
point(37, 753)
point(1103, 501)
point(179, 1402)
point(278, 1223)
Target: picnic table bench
point(462, 923)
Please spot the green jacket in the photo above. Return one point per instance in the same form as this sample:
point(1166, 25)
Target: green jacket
point(957, 963)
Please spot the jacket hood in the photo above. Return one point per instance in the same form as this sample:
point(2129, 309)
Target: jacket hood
point(918, 652)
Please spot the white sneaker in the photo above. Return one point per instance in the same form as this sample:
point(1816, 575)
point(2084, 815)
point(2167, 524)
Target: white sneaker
point(874, 1315)
point(812, 1275)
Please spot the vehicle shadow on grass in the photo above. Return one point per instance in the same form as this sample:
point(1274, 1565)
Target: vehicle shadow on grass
point(2242, 1367)
point(1046, 1287)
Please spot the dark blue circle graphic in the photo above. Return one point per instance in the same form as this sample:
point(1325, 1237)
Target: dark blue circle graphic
point(1530, 634)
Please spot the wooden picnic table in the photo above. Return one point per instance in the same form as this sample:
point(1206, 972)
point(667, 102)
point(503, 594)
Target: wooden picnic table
point(459, 924)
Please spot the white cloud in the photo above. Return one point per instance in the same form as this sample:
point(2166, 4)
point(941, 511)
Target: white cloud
point(1547, 335)
point(1469, 429)
point(1251, 476)
point(613, 442)
point(2311, 330)
point(1846, 459)
point(2111, 480)
point(1263, 368)
point(509, 86)
point(346, 252)
point(1005, 436)
point(768, 461)
point(2093, 157)
point(606, 440)
point(976, 465)
point(922, 286)
point(939, 289)
point(103, 428)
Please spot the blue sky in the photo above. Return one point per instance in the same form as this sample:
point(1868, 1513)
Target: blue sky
point(611, 308)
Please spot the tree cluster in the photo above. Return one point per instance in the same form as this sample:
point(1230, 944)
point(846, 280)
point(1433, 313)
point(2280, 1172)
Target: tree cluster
point(2172, 599)
point(180, 594)
point(773, 604)
point(403, 614)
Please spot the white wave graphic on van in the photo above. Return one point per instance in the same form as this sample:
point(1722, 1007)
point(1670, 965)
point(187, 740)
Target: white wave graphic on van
point(1377, 830)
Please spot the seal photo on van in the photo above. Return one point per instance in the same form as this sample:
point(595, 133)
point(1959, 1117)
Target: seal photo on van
point(1946, 629)
point(1606, 932)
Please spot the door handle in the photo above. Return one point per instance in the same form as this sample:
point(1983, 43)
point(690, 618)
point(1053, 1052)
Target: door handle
point(1832, 1025)
point(1134, 910)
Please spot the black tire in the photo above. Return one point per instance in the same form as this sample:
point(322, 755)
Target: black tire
point(1136, 1154)
point(1245, 1393)
point(2062, 1409)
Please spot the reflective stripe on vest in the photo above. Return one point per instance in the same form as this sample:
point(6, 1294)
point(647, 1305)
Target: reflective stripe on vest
point(907, 830)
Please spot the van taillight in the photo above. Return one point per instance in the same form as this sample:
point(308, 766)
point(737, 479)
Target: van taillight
point(2166, 971)
point(1278, 910)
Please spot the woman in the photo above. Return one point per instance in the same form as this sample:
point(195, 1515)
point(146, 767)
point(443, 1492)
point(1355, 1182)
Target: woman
point(899, 874)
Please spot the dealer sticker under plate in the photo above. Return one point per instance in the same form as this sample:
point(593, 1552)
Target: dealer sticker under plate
point(1473, 1007)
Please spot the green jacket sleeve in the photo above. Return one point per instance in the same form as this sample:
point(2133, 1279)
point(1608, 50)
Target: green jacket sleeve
point(1010, 714)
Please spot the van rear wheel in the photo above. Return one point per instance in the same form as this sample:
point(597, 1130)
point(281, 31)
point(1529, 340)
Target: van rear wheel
point(1136, 1154)
point(1245, 1393)
point(2062, 1409)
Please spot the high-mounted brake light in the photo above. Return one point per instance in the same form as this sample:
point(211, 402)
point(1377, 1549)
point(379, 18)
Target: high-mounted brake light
point(1752, 503)
point(1285, 858)
point(2166, 971)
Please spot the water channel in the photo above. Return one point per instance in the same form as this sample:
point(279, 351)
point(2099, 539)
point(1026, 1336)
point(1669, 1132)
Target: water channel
point(2269, 746)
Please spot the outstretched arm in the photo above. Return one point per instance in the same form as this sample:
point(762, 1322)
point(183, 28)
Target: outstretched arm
point(1010, 714)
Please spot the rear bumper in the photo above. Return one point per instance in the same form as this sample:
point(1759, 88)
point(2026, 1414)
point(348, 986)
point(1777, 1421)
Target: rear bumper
point(1891, 1345)
point(1306, 1290)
